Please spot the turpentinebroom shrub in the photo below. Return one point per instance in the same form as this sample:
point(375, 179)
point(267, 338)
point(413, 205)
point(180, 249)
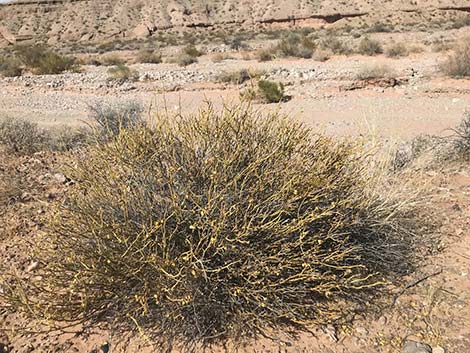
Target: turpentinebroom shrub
point(224, 224)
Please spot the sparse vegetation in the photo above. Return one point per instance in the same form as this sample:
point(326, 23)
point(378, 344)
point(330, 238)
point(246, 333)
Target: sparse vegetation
point(24, 137)
point(396, 50)
point(270, 91)
point(148, 56)
point(218, 225)
point(192, 51)
point(123, 72)
point(295, 45)
point(461, 139)
point(334, 45)
point(10, 67)
point(458, 63)
point(111, 118)
point(112, 60)
point(238, 77)
point(368, 72)
point(266, 55)
point(370, 47)
point(43, 61)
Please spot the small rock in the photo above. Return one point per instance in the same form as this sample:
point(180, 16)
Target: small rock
point(105, 347)
point(416, 347)
point(61, 178)
point(438, 350)
point(32, 266)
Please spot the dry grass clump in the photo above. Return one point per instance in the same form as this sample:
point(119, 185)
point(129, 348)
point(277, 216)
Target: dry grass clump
point(396, 50)
point(111, 60)
point(238, 77)
point(376, 71)
point(21, 136)
point(148, 56)
point(334, 45)
point(10, 67)
point(25, 137)
point(265, 91)
point(44, 61)
point(123, 72)
point(370, 47)
point(266, 55)
point(458, 63)
point(461, 139)
point(108, 119)
point(295, 45)
point(218, 225)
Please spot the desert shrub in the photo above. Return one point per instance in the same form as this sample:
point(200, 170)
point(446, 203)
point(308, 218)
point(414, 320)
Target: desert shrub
point(21, 136)
point(411, 151)
point(239, 76)
point(270, 91)
point(321, 55)
point(148, 56)
point(460, 139)
point(218, 225)
point(369, 46)
point(111, 118)
point(295, 45)
point(396, 49)
point(185, 60)
point(219, 57)
point(458, 63)
point(25, 137)
point(112, 60)
point(54, 63)
point(266, 55)
point(10, 67)
point(379, 28)
point(334, 45)
point(44, 61)
point(123, 73)
point(192, 51)
point(374, 71)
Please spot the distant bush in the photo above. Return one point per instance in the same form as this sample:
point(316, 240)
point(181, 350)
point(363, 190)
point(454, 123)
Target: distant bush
point(379, 28)
point(111, 118)
point(295, 45)
point(123, 72)
point(270, 91)
point(239, 76)
point(266, 55)
point(43, 61)
point(112, 60)
point(185, 60)
point(10, 67)
point(396, 50)
point(25, 137)
point(458, 63)
point(192, 51)
point(220, 225)
point(374, 71)
point(334, 45)
point(321, 55)
point(21, 136)
point(369, 46)
point(148, 56)
point(461, 139)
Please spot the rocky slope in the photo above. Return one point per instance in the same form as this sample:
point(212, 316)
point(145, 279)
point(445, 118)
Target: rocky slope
point(62, 21)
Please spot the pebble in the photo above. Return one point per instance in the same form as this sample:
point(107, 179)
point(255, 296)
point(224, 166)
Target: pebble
point(438, 350)
point(416, 347)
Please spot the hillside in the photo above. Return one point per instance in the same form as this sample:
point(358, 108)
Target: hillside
point(62, 21)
